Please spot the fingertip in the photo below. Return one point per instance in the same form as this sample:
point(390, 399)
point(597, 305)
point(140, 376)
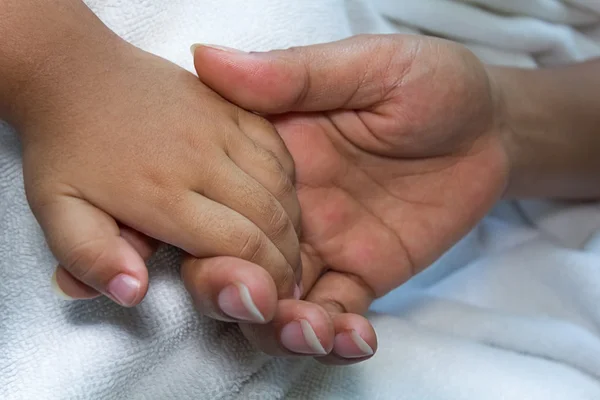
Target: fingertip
point(125, 290)
point(264, 295)
point(299, 328)
point(129, 281)
point(57, 289)
point(230, 289)
point(305, 328)
point(236, 301)
point(355, 341)
point(351, 344)
point(300, 337)
point(201, 54)
point(193, 48)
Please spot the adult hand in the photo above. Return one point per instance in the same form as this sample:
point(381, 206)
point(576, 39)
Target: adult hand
point(399, 151)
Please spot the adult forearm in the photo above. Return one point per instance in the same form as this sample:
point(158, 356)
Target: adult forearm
point(552, 124)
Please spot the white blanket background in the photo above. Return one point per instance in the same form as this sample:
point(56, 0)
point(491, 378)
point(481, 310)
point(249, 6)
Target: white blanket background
point(512, 312)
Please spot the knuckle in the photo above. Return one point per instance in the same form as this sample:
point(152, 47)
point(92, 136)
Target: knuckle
point(361, 285)
point(170, 201)
point(282, 171)
point(84, 259)
point(332, 305)
point(288, 168)
point(285, 279)
point(283, 187)
point(280, 224)
point(277, 147)
point(253, 245)
point(156, 178)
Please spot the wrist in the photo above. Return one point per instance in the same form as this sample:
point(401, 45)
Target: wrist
point(510, 104)
point(549, 123)
point(50, 50)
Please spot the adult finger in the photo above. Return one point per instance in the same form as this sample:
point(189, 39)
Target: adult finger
point(353, 73)
point(346, 298)
point(299, 328)
point(230, 289)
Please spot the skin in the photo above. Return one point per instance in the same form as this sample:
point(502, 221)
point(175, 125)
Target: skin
point(402, 144)
point(394, 182)
point(416, 140)
point(398, 155)
point(120, 146)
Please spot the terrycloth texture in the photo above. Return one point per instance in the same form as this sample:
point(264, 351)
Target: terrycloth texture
point(509, 313)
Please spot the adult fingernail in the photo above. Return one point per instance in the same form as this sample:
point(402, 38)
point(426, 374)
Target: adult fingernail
point(235, 300)
point(351, 345)
point(216, 47)
point(300, 337)
point(124, 289)
point(57, 290)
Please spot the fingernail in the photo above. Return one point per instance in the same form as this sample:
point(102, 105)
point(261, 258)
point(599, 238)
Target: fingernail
point(124, 289)
point(351, 345)
point(57, 290)
point(300, 337)
point(298, 291)
point(216, 47)
point(235, 300)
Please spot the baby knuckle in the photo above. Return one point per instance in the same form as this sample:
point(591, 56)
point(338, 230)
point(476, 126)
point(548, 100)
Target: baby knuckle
point(289, 167)
point(285, 279)
point(283, 187)
point(253, 244)
point(283, 160)
point(281, 175)
point(152, 180)
point(85, 258)
point(280, 224)
point(170, 201)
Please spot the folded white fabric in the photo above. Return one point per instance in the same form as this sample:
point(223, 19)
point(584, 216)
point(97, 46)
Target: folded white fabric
point(509, 313)
point(523, 33)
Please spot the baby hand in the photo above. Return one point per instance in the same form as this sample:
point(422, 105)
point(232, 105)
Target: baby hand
point(118, 137)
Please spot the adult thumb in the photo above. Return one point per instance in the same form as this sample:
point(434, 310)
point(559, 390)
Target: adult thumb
point(352, 73)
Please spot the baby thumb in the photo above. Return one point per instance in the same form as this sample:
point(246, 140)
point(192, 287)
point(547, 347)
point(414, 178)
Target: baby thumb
point(87, 244)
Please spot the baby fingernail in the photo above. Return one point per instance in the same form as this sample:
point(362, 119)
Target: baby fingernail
point(351, 345)
point(216, 47)
point(124, 289)
point(298, 291)
point(235, 300)
point(300, 337)
point(57, 290)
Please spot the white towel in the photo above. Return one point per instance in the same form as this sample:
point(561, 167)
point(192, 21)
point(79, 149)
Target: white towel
point(510, 313)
